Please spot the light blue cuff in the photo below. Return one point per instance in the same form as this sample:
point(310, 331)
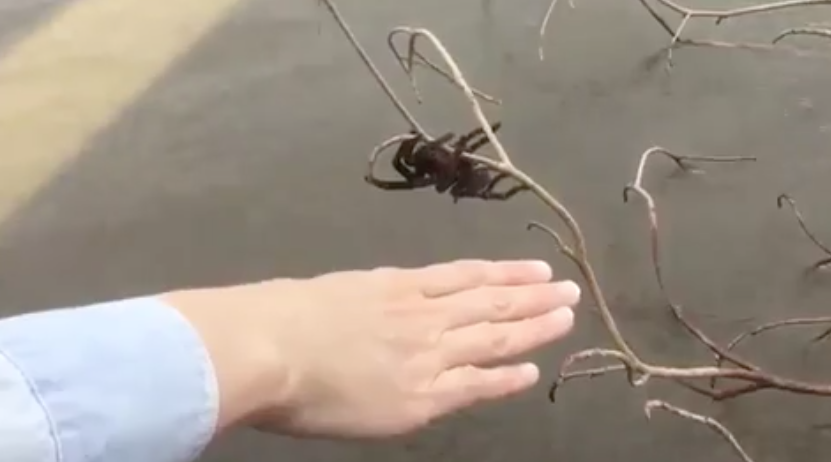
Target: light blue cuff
point(124, 381)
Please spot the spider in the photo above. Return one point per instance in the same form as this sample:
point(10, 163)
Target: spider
point(431, 163)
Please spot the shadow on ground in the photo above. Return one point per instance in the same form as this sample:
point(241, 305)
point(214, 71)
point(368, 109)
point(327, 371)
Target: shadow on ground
point(245, 162)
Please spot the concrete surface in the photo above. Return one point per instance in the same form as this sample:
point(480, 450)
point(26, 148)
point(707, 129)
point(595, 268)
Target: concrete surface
point(230, 148)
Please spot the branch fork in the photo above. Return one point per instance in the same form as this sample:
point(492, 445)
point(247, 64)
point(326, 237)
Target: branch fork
point(687, 14)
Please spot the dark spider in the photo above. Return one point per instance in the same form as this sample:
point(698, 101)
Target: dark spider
point(424, 164)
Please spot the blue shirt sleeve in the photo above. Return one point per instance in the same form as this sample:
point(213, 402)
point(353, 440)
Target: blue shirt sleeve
point(123, 381)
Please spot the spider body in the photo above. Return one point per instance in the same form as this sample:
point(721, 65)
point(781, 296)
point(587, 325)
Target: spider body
point(424, 163)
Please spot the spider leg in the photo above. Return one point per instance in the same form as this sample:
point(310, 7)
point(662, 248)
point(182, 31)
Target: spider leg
point(489, 194)
point(412, 180)
point(400, 185)
point(405, 149)
point(476, 145)
point(503, 195)
point(440, 141)
point(444, 172)
point(478, 131)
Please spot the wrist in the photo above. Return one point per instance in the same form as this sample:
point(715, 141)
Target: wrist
point(250, 375)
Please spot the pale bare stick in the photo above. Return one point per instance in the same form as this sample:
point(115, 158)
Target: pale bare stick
point(580, 374)
point(687, 14)
point(544, 26)
point(376, 74)
point(635, 378)
point(771, 326)
point(823, 262)
point(722, 15)
point(684, 163)
point(721, 353)
point(710, 422)
point(408, 63)
point(675, 38)
point(811, 31)
point(562, 247)
point(776, 325)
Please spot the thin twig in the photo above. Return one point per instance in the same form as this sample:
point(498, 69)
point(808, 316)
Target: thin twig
point(407, 64)
point(684, 163)
point(811, 31)
point(561, 245)
point(823, 262)
point(710, 422)
point(771, 326)
point(376, 74)
point(687, 14)
point(544, 26)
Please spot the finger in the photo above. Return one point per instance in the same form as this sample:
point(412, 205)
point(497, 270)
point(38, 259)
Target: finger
point(489, 342)
point(501, 304)
point(451, 277)
point(465, 386)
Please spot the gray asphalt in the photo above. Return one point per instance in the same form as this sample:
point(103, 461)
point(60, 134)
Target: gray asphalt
point(245, 161)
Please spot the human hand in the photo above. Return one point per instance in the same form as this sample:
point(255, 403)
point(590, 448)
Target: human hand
point(386, 351)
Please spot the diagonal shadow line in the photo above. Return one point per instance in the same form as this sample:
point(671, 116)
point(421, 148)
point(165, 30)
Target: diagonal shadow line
point(31, 251)
point(19, 19)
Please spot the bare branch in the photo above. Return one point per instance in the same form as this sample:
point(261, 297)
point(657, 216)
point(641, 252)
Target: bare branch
point(585, 373)
point(633, 376)
point(636, 186)
point(775, 325)
point(558, 241)
point(822, 263)
point(687, 14)
point(808, 30)
point(407, 65)
point(713, 424)
point(376, 74)
point(544, 26)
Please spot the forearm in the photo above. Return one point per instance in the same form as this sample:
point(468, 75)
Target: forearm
point(126, 381)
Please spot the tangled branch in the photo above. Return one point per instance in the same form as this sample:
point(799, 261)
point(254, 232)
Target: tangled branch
point(688, 14)
point(639, 371)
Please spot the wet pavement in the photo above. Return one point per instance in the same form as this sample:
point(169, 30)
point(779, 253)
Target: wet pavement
point(244, 160)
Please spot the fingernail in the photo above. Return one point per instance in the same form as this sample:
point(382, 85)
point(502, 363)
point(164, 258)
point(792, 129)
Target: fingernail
point(529, 372)
point(561, 318)
point(573, 289)
point(542, 267)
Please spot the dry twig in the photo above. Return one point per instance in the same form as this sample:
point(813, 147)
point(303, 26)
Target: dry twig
point(688, 14)
point(823, 262)
point(639, 371)
point(713, 424)
point(407, 64)
point(817, 30)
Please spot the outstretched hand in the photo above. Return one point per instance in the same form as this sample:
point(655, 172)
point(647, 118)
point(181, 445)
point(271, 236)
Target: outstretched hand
point(379, 352)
